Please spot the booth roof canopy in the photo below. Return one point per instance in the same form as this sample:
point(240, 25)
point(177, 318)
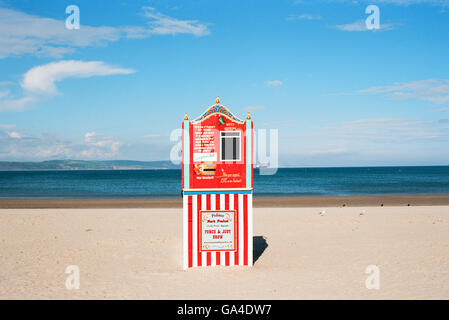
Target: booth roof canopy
point(217, 109)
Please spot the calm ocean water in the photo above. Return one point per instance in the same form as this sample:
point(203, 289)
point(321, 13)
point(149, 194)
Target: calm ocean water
point(167, 183)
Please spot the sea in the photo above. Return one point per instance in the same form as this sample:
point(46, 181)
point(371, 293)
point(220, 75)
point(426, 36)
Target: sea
point(167, 183)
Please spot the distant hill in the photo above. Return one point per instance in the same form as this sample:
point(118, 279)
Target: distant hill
point(87, 165)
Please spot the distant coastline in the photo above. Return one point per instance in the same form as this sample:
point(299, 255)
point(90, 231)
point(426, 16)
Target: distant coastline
point(64, 165)
point(71, 165)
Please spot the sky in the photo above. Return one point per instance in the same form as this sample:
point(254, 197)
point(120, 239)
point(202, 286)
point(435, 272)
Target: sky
point(338, 93)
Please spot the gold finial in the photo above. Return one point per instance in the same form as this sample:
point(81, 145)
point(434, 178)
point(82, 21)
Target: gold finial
point(186, 117)
point(217, 101)
point(248, 117)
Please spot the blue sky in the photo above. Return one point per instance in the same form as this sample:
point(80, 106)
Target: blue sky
point(338, 94)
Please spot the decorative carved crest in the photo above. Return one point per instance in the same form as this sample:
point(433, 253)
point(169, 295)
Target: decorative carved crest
point(220, 109)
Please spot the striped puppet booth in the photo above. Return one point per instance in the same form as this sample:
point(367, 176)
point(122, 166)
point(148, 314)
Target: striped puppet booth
point(217, 184)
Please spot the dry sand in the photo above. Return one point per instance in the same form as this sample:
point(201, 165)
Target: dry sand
point(137, 253)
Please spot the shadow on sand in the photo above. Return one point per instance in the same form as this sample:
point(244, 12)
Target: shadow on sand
point(259, 246)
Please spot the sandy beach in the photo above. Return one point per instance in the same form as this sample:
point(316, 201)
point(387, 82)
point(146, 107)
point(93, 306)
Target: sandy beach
point(136, 253)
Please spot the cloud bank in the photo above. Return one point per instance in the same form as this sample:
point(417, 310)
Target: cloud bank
point(15, 145)
point(22, 33)
point(432, 90)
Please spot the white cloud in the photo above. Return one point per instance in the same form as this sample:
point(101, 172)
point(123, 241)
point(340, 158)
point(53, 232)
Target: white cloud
point(163, 24)
point(360, 25)
point(443, 3)
point(99, 146)
point(22, 33)
point(14, 134)
point(389, 130)
point(42, 79)
point(382, 141)
point(16, 146)
point(355, 26)
point(379, 130)
point(432, 90)
point(273, 83)
point(369, 134)
point(441, 110)
point(304, 16)
point(18, 104)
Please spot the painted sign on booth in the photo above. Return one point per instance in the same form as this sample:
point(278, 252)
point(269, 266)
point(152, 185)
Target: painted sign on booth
point(217, 159)
point(217, 230)
point(217, 151)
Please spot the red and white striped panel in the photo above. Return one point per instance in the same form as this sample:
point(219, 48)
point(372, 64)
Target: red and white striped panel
point(242, 203)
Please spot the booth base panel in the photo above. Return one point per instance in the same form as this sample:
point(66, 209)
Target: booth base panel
point(241, 248)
